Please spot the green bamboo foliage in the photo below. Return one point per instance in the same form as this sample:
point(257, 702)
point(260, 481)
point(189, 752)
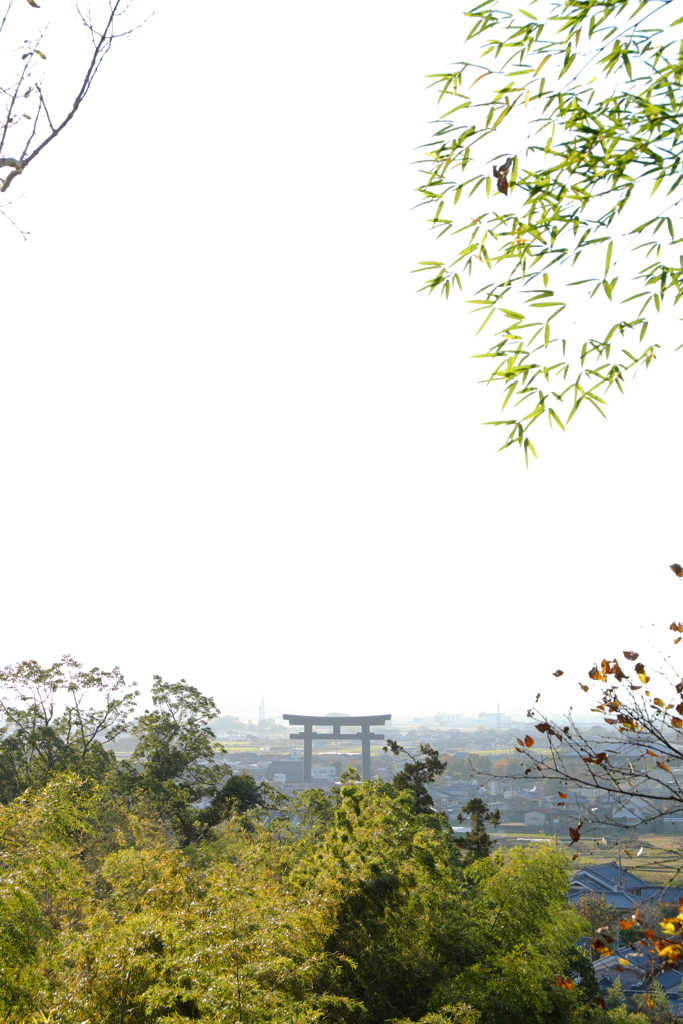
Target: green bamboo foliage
point(561, 138)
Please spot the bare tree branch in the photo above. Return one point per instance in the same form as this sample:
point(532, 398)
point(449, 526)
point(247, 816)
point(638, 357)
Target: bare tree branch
point(16, 94)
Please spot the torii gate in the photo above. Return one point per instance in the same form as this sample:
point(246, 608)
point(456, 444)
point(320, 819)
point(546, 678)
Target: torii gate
point(308, 721)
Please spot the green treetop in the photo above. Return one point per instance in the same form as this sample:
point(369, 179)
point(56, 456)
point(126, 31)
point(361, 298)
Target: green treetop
point(567, 115)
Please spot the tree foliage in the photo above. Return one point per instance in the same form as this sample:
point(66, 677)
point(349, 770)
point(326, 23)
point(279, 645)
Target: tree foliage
point(56, 719)
point(358, 910)
point(417, 773)
point(477, 842)
point(573, 108)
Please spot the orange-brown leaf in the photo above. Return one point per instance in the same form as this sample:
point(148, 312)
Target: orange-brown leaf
point(631, 655)
point(575, 833)
point(676, 568)
point(558, 672)
point(596, 758)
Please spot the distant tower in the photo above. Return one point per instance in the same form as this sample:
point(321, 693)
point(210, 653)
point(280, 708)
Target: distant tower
point(262, 718)
point(499, 722)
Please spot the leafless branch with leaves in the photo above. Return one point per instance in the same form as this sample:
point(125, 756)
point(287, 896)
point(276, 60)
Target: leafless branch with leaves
point(27, 124)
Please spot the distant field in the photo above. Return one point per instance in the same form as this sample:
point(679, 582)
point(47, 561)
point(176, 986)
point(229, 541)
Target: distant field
point(660, 862)
point(498, 752)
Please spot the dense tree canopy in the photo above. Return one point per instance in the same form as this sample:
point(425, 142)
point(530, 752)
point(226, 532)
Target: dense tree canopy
point(165, 887)
point(567, 114)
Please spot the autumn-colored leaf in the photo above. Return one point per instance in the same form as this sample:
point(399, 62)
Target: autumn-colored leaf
point(584, 687)
point(601, 1002)
point(545, 727)
point(595, 673)
point(564, 983)
point(631, 655)
point(678, 569)
point(658, 702)
point(40, 52)
point(676, 723)
point(640, 670)
point(563, 795)
point(678, 639)
point(626, 924)
point(677, 627)
point(33, 3)
point(660, 764)
point(672, 951)
point(600, 947)
point(529, 741)
point(501, 175)
point(558, 672)
point(596, 758)
point(575, 833)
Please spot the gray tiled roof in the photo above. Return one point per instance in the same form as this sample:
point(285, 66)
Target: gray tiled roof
point(620, 900)
point(611, 874)
point(663, 893)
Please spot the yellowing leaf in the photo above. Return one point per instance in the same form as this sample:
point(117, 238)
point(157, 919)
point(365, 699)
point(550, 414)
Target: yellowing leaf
point(33, 3)
point(39, 52)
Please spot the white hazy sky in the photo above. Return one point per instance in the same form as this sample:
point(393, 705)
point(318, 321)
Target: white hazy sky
point(237, 447)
